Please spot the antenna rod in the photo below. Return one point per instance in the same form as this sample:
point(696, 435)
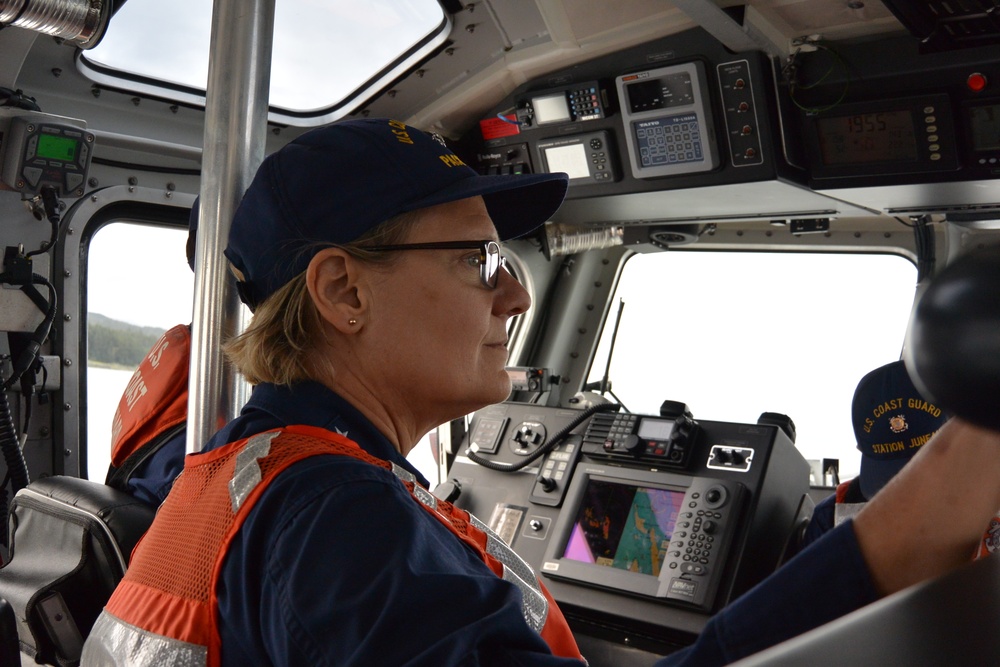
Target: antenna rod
point(611, 350)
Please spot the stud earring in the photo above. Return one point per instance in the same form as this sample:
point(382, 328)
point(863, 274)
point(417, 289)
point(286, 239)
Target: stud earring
point(352, 321)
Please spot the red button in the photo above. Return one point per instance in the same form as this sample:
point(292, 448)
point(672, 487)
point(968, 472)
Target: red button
point(976, 82)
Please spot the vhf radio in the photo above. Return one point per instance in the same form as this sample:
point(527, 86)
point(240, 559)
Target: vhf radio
point(665, 441)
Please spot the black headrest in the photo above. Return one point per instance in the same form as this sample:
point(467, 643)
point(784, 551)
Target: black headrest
point(953, 340)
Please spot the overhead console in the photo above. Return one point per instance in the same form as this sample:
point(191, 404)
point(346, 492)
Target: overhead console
point(682, 130)
point(675, 130)
point(641, 525)
point(917, 133)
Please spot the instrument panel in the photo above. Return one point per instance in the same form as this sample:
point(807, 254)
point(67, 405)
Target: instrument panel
point(688, 115)
point(643, 525)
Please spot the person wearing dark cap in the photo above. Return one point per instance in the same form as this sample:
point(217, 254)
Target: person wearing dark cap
point(370, 256)
point(301, 535)
point(892, 421)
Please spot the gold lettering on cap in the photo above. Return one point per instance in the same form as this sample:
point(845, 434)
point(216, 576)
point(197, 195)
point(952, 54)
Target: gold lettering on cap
point(883, 408)
point(452, 160)
point(920, 404)
point(402, 136)
point(888, 447)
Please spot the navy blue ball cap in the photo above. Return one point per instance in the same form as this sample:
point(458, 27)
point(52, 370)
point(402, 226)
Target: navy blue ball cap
point(892, 421)
point(333, 184)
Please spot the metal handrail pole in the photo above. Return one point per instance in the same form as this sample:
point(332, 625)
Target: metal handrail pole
point(239, 75)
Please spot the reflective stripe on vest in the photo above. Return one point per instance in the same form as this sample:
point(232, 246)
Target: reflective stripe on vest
point(537, 606)
point(843, 510)
point(119, 643)
point(169, 589)
point(165, 606)
point(247, 474)
point(534, 605)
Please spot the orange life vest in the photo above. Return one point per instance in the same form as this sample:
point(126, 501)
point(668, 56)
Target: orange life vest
point(156, 397)
point(165, 607)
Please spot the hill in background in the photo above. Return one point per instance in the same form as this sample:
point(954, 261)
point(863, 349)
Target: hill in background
point(118, 344)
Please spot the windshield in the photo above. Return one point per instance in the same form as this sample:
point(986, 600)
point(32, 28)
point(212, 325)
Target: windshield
point(735, 334)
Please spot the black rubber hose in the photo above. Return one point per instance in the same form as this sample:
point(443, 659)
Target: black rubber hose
point(12, 454)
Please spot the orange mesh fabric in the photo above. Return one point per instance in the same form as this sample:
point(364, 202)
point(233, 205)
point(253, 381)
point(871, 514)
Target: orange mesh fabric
point(169, 588)
point(177, 554)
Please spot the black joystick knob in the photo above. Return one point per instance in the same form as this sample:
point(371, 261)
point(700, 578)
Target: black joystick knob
point(716, 497)
point(548, 484)
point(952, 347)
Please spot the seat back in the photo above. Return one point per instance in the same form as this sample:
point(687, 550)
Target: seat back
point(70, 541)
point(10, 651)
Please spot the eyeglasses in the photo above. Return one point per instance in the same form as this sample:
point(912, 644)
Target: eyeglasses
point(490, 259)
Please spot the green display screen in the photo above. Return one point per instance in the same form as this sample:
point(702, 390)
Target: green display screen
point(52, 147)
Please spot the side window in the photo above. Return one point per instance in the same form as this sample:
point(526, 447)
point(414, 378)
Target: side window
point(138, 286)
point(735, 334)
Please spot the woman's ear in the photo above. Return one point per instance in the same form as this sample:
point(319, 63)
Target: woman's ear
point(333, 281)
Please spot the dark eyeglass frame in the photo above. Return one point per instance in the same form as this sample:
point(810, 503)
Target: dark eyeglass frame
point(489, 271)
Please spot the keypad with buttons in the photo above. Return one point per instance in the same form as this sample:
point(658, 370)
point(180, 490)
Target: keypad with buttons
point(701, 536)
point(585, 103)
point(671, 140)
point(555, 473)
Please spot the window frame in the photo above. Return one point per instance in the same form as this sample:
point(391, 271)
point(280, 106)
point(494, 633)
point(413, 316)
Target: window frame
point(147, 86)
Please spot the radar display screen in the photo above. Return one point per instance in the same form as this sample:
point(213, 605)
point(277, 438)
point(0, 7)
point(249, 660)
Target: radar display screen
point(623, 526)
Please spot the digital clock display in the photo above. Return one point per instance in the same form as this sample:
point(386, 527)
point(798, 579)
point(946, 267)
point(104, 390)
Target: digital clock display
point(885, 136)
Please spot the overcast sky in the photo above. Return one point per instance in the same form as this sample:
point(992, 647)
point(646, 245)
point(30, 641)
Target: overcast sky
point(139, 274)
point(323, 49)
